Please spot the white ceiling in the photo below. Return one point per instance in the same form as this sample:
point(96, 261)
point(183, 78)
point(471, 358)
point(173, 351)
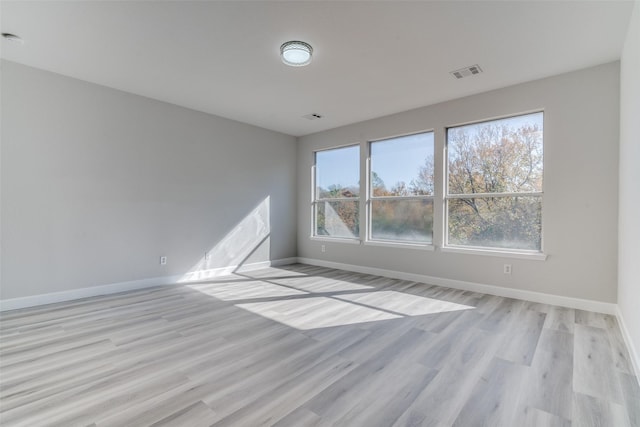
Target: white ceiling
point(370, 58)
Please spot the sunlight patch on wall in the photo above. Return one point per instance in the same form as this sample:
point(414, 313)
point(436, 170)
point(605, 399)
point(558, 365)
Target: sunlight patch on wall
point(234, 248)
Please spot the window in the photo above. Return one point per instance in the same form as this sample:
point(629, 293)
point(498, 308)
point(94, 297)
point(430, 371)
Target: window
point(336, 193)
point(401, 189)
point(494, 184)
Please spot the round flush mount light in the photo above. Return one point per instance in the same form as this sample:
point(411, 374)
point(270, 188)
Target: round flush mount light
point(12, 38)
point(296, 53)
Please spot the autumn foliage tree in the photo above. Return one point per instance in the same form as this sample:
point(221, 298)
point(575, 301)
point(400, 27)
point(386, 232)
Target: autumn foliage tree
point(493, 192)
point(495, 177)
point(402, 214)
point(338, 217)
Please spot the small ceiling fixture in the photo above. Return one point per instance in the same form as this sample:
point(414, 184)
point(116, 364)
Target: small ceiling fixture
point(471, 70)
point(12, 38)
point(312, 116)
point(296, 53)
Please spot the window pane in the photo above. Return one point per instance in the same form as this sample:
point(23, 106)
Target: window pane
point(338, 219)
point(402, 166)
point(496, 222)
point(501, 156)
point(338, 172)
point(402, 220)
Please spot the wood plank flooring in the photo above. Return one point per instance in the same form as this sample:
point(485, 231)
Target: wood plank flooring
point(310, 346)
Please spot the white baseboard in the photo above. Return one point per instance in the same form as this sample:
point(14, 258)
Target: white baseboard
point(633, 351)
point(284, 261)
point(112, 288)
point(35, 300)
point(73, 294)
point(539, 297)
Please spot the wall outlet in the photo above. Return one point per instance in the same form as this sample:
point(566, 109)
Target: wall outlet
point(507, 269)
point(207, 256)
point(163, 260)
point(322, 248)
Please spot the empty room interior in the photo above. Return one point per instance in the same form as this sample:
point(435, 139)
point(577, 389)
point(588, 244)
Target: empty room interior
point(320, 213)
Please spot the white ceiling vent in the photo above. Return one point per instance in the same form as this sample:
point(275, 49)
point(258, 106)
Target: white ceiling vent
point(312, 116)
point(466, 71)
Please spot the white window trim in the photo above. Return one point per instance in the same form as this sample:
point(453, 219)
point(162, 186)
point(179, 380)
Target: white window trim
point(314, 201)
point(444, 198)
point(354, 241)
point(338, 199)
point(492, 195)
point(399, 197)
point(486, 250)
point(369, 241)
point(400, 244)
point(494, 252)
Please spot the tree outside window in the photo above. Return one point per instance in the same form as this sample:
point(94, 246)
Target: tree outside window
point(494, 184)
point(401, 189)
point(336, 195)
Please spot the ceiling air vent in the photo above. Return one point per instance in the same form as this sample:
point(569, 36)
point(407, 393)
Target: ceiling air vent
point(466, 71)
point(312, 116)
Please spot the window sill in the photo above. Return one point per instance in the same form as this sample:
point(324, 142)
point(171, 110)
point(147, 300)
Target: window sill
point(537, 256)
point(404, 245)
point(336, 239)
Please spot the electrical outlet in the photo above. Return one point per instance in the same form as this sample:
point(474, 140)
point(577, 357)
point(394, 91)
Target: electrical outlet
point(507, 269)
point(163, 260)
point(322, 248)
point(207, 256)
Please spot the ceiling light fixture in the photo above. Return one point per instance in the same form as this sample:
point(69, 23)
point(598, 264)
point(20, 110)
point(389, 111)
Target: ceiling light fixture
point(12, 38)
point(296, 53)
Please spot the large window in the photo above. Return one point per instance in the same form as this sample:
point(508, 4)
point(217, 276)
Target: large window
point(494, 184)
point(336, 193)
point(401, 187)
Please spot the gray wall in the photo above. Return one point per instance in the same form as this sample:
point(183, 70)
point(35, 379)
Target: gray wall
point(580, 212)
point(97, 184)
point(629, 230)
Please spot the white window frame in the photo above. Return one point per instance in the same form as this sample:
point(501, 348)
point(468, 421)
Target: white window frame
point(315, 200)
point(487, 250)
point(369, 240)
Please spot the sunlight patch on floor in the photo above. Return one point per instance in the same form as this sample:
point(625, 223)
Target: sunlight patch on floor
point(327, 286)
point(402, 303)
point(245, 290)
point(316, 312)
point(321, 303)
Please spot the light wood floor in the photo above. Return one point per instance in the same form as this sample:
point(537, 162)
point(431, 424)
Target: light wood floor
point(309, 346)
